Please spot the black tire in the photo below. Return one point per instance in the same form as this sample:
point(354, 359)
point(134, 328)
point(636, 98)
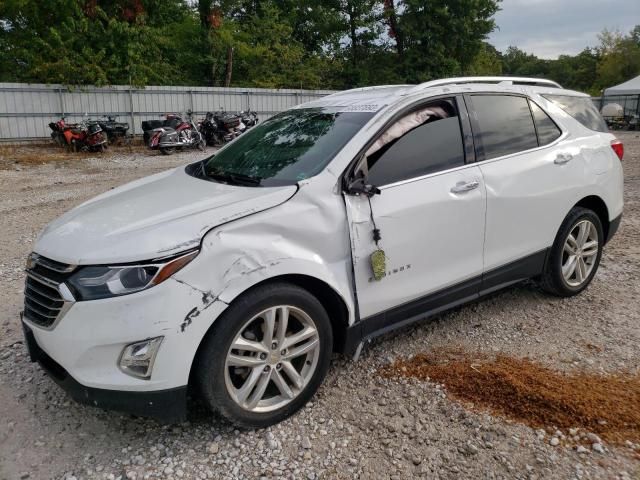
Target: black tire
point(552, 280)
point(166, 150)
point(210, 366)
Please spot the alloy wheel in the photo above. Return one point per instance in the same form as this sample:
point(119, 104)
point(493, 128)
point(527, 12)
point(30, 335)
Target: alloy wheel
point(580, 253)
point(272, 358)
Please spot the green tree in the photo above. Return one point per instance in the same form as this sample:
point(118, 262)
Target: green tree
point(441, 37)
point(619, 57)
point(92, 42)
point(487, 61)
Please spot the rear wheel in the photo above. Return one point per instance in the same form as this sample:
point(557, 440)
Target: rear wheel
point(166, 150)
point(575, 254)
point(266, 356)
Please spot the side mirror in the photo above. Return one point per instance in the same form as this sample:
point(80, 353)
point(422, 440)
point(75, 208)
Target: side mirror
point(358, 186)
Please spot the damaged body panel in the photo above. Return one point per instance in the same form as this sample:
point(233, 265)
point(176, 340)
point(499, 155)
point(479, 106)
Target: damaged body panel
point(154, 217)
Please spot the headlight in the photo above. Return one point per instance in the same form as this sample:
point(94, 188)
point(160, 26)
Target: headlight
point(91, 283)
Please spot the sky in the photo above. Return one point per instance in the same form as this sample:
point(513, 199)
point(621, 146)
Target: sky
point(548, 28)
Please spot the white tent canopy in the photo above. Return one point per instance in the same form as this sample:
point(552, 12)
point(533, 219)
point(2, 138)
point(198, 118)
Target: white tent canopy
point(630, 87)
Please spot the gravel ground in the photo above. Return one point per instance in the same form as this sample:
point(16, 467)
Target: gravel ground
point(359, 425)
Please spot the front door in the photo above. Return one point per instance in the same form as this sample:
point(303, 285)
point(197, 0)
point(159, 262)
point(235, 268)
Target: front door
point(430, 215)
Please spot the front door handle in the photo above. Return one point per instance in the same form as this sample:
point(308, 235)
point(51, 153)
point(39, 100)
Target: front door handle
point(563, 158)
point(463, 186)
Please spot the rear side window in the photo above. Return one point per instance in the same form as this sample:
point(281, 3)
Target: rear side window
point(582, 109)
point(547, 130)
point(505, 125)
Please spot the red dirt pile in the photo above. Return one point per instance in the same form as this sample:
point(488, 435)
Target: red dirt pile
point(525, 391)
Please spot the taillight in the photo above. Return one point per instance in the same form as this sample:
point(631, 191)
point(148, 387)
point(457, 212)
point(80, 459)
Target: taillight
point(618, 147)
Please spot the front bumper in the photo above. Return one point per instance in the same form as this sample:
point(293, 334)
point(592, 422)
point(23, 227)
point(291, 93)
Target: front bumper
point(82, 352)
point(89, 338)
point(167, 405)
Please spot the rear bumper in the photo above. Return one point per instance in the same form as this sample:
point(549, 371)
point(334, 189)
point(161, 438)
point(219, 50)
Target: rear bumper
point(166, 405)
point(613, 227)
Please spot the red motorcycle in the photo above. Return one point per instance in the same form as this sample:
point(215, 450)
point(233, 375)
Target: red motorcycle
point(85, 136)
point(58, 128)
point(176, 134)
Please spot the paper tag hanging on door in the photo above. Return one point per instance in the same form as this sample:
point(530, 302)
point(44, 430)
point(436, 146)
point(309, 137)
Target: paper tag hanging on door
point(379, 264)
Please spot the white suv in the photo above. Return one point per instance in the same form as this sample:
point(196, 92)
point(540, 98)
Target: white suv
point(237, 277)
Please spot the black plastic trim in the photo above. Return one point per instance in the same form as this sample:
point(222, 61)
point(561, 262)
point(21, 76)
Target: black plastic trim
point(529, 266)
point(168, 406)
point(450, 297)
point(614, 225)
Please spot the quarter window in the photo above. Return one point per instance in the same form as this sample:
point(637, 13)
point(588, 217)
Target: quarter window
point(547, 130)
point(505, 125)
point(424, 141)
point(582, 109)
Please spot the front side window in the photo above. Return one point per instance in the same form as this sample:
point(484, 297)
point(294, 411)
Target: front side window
point(582, 109)
point(505, 125)
point(425, 141)
point(287, 148)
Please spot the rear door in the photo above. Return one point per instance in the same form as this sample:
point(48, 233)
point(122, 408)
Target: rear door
point(531, 175)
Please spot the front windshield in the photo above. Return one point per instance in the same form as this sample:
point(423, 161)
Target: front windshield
point(287, 148)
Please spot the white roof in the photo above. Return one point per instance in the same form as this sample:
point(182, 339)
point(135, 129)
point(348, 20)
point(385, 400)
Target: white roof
point(372, 99)
point(630, 87)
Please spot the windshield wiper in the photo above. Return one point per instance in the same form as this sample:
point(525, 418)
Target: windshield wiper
point(234, 178)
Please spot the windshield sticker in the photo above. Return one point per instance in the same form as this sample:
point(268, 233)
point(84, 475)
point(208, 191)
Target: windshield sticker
point(370, 107)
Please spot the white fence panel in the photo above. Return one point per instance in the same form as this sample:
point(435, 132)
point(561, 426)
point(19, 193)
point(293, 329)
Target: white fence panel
point(27, 109)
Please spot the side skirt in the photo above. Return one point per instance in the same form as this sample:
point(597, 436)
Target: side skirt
point(430, 305)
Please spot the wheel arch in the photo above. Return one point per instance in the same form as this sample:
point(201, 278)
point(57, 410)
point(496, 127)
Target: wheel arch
point(331, 300)
point(599, 207)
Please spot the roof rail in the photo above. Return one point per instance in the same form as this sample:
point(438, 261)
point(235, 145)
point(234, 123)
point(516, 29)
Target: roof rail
point(364, 89)
point(534, 82)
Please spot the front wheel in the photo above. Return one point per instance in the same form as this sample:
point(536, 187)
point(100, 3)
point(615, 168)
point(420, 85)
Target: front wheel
point(166, 150)
point(575, 255)
point(266, 356)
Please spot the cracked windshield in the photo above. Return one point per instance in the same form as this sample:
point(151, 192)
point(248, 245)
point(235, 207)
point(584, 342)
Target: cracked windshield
point(290, 147)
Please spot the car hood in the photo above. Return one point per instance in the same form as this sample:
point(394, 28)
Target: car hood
point(149, 218)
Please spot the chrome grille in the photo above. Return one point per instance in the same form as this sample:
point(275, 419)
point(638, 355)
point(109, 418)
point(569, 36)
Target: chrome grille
point(44, 301)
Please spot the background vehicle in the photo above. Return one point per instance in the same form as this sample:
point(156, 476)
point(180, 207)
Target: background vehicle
point(209, 129)
point(57, 131)
point(244, 271)
point(84, 136)
point(177, 134)
point(113, 130)
point(249, 118)
point(221, 127)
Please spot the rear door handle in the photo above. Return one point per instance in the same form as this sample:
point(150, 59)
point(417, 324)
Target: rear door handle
point(463, 186)
point(563, 158)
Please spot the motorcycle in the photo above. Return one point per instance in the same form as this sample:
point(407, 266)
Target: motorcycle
point(84, 136)
point(148, 126)
point(220, 127)
point(113, 130)
point(58, 128)
point(176, 134)
point(249, 118)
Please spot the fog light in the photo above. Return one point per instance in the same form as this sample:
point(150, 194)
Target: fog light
point(137, 358)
